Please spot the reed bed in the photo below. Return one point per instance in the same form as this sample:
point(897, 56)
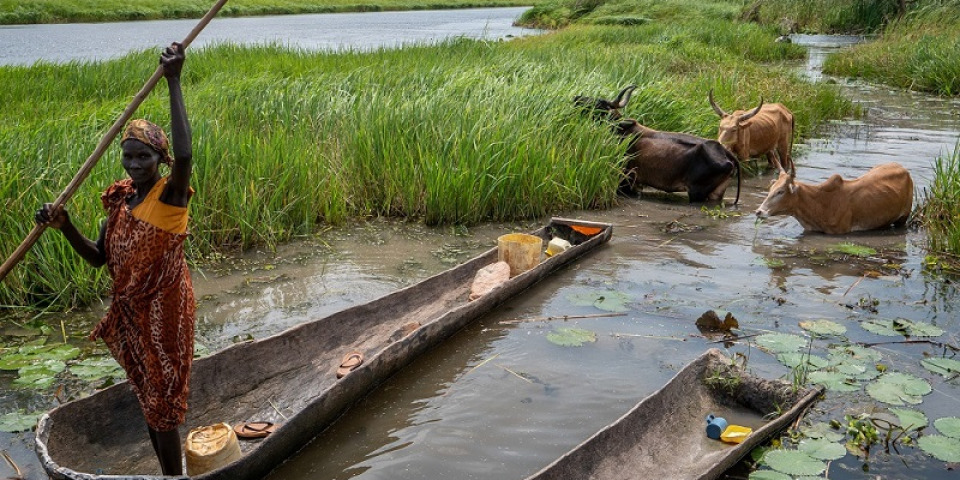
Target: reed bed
point(823, 16)
point(73, 11)
point(454, 133)
point(940, 212)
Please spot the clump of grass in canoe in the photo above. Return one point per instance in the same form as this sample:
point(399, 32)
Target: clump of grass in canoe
point(456, 133)
point(72, 11)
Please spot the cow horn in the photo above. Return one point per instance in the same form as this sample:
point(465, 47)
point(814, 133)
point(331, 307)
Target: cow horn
point(793, 171)
point(624, 96)
point(716, 108)
point(748, 116)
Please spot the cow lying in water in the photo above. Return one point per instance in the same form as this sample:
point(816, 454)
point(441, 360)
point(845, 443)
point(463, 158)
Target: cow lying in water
point(765, 130)
point(668, 161)
point(881, 197)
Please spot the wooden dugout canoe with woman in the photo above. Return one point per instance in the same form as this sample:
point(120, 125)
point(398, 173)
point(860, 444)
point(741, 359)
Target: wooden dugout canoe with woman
point(149, 327)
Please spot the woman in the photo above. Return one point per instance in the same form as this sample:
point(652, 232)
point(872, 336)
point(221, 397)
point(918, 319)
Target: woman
point(149, 326)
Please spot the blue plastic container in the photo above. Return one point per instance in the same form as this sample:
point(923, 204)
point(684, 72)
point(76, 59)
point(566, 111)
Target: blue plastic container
point(715, 426)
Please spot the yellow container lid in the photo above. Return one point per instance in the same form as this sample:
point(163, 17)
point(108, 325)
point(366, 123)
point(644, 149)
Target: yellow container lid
point(735, 433)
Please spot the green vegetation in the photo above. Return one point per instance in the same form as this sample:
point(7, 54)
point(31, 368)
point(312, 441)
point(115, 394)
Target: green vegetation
point(70, 11)
point(456, 133)
point(823, 16)
point(921, 52)
point(940, 212)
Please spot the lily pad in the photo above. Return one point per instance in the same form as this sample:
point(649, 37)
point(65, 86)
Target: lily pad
point(794, 462)
point(781, 342)
point(901, 327)
point(18, 422)
point(949, 426)
point(93, 369)
point(854, 354)
point(858, 371)
point(40, 375)
point(910, 419)
point(823, 327)
point(768, 475)
point(796, 359)
point(32, 353)
point(947, 367)
point(822, 430)
point(608, 301)
point(835, 381)
point(822, 449)
point(571, 337)
point(853, 249)
point(942, 448)
point(899, 388)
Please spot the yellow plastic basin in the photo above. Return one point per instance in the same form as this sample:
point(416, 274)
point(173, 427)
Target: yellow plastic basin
point(735, 433)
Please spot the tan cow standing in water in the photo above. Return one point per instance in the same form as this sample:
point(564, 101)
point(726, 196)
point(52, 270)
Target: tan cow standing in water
point(881, 197)
point(765, 130)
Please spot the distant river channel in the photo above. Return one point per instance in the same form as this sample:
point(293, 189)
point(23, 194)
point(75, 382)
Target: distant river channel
point(60, 43)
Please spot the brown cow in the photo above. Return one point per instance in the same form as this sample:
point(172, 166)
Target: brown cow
point(765, 130)
point(881, 197)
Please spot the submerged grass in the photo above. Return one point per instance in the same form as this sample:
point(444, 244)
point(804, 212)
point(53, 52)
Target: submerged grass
point(456, 133)
point(71, 11)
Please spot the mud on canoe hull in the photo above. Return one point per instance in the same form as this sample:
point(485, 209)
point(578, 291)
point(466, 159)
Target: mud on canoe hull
point(104, 435)
point(664, 436)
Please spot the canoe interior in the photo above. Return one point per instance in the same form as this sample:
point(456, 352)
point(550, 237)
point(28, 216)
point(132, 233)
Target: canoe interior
point(293, 373)
point(664, 436)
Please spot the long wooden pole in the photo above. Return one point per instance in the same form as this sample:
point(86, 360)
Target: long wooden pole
point(105, 142)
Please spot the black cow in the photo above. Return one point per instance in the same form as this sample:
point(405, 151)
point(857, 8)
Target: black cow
point(668, 161)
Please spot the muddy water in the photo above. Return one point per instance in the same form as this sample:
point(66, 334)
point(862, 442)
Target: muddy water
point(499, 401)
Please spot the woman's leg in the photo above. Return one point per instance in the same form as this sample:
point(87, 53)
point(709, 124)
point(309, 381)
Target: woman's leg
point(167, 446)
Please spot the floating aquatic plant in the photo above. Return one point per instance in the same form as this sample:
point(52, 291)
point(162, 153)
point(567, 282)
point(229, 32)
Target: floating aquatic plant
point(823, 327)
point(822, 449)
point(853, 249)
point(822, 430)
point(93, 369)
point(18, 421)
point(794, 462)
point(898, 388)
point(947, 367)
point(949, 426)
point(910, 419)
point(835, 381)
point(940, 447)
point(768, 475)
point(609, 301)
point(781, 342)
point(796, 359)
point(571, 337)
point(901, 327)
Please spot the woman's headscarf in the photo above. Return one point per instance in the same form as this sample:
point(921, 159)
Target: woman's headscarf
point(151, 135)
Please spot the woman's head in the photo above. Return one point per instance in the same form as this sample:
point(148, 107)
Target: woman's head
point(144, 146)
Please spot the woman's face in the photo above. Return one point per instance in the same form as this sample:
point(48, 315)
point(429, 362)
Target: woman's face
point(140, 161)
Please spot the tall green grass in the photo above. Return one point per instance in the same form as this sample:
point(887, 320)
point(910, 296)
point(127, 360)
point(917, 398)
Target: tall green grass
point(456, 133)
point(70, 11)
point(940, 211)
point(823, 16)
point(921, 52)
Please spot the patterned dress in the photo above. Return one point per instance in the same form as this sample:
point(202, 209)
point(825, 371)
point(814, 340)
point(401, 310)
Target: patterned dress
point(149, 326)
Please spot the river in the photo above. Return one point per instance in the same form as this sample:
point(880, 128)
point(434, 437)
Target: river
point(458, 412)
point(27, 44)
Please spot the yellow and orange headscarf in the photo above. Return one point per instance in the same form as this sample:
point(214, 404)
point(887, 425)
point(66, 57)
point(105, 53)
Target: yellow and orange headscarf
point(151, 135)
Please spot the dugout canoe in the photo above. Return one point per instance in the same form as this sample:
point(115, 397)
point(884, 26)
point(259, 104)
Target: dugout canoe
point(104, 436)
point(664, 436)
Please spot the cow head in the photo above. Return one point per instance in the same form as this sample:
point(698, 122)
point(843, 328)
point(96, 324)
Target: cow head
point(782, 197)
point(603, 109)
point(731, 131)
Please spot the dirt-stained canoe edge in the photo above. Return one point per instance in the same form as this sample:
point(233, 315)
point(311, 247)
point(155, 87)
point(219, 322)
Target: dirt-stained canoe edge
point(104, 436)
point(664, 436)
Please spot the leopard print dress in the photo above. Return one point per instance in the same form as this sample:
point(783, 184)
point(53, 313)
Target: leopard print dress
point(149, 326)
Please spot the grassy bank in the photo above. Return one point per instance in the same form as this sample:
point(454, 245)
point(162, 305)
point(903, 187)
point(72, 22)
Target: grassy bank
point(823, 16)
point(920, 52)
point(457, 133)
point(74, 11)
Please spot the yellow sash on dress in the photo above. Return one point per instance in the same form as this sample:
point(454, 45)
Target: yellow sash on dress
point(165, 217)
